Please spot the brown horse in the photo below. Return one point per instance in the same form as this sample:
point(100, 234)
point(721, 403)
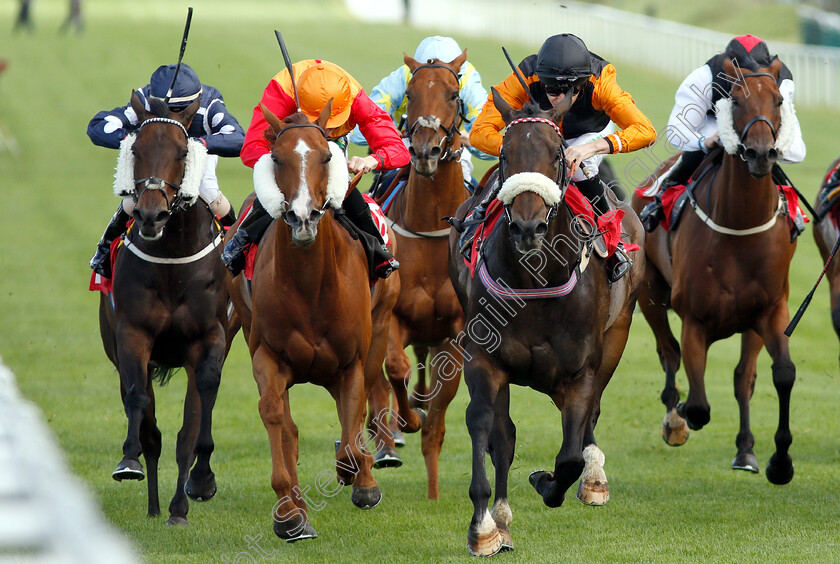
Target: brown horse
point(169, 302)
point(825, 234)
point(540, 312)
point(427, 314)
point(725, 271)
point(310, 316)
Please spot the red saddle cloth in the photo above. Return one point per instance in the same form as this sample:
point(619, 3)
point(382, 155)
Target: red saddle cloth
point(609, 224)
point(378, 219)
point(834, 212)
point(672, 194)
point(99, 283)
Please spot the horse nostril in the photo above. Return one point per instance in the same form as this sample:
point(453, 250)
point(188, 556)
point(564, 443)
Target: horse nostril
point(411, 151)
point(291, 218)
point(515, 230)
point(435, 152)
point(751, 154)
point(161, 217)
point(541, 229)
point(314, 215)
point(772, 155)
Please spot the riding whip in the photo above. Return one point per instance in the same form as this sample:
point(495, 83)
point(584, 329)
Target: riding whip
point(180, 55)
point(288, 66)
point(801, 311)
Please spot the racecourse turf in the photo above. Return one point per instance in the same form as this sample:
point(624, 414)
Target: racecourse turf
point(668, 504)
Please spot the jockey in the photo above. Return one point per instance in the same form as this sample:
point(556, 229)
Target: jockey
point(565, 67)
point(317, 82)
point(389, 94)
point(213, 125)
point(699, 93)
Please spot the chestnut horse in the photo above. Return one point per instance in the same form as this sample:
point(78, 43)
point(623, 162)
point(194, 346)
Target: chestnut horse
point(169, 302)
point(826, 234)
point(427, 314)
point(725, 271)
point(310, 316)
point(560, 329)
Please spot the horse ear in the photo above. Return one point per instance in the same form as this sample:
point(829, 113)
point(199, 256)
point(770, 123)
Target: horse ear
point(775, 67)
point(459, 60)
point(325, 114)
point(410, 62)
point(186, 116)
point(274, 124)
point(729, 68)
point(501, 104)
point(138, 107)
point(559, 110)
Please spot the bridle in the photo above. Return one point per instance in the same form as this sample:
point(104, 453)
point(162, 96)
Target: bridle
point(559, 180)
point(285, 204)
point(178, 203)
point(433, 122)
point(742, 149)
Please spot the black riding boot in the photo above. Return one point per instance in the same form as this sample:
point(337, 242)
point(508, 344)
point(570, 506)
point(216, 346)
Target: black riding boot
point(228, 219)
point(380, 260)
point(618, 263)
point(101, 261)
point(653, 213)
point(250, 231)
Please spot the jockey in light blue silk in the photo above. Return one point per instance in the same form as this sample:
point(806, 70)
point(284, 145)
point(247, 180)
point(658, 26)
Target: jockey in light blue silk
point(389, 94)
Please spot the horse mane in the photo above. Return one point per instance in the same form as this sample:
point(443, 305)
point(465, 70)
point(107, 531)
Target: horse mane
point(295, 118)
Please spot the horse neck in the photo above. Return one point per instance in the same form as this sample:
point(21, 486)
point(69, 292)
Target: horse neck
point(310, 269)
point(741, 201)
point(428, 199)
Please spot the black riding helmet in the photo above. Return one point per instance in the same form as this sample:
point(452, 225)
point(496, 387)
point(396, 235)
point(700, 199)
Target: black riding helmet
point(748, 48)
point(186, 89)
point(563, 62)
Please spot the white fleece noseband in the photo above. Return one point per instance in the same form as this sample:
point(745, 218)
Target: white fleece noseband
point(273, 199)
point(730, 139)
point(193, 170)
point(535, 182)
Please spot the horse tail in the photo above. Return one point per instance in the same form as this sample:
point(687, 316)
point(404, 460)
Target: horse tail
point(162, 375)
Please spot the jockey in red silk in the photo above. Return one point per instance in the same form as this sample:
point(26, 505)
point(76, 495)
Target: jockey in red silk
point(317, 81)
point(213, 125)
point(692, 126)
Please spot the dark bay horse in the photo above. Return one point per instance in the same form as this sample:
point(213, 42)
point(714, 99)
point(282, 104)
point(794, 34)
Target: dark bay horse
point(169, 302)
point(427, 314)
point(825, 234)
point(559, 329)
point(310, 316)
point(725, 271)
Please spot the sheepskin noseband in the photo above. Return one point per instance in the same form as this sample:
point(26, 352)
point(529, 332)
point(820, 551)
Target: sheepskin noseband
point(535, 182)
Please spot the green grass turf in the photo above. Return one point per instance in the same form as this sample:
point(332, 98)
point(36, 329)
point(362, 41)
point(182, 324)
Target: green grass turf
point(667, 504)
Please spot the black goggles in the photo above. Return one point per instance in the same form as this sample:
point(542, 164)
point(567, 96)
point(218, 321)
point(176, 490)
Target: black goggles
point(562, 86)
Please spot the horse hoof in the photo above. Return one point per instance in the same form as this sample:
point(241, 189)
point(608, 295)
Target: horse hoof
point(294, 530)
point(745, 461)
point(337, 444)
point(674, 429)
point(422, 413)
point(128, 469)
point(174, 521)
point(485, 544)
point(537, 476)
point(366, 498)
point(779, 473)
point(201, 491)
point(695, 417)
point(387, 457)
point(399, 439)
point(593, 492)
point(507, 540)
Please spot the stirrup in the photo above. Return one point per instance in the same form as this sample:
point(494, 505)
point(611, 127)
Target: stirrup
point(387, 268)
point(618, 264)
point(652, 215)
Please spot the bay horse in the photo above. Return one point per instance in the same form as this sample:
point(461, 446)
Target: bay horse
point(169, 305)
point(310, 315)
point(427, 314)
point(826, 234)
point(559, 329)
point(725, 271)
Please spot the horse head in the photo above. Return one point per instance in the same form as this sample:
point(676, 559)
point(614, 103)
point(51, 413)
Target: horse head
point(433, 111)
point(532, 171)
point(751, 119)
point(167, 166)
point(303, 175)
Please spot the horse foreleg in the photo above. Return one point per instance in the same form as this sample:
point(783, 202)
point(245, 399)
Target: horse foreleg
point(745, 374)
point(379, 423)
point(185, 450)
point(151, 443)
point(654, 301)
point(483, 536)
point(399, 373)
point(446, 365)
point(353, 459)
point(201, 485)
point(133, 350)
point(696, 409)
point(779, 469)
point(502, 446)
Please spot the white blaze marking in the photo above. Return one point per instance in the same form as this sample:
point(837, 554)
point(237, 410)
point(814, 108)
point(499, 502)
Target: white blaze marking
point(300, 205)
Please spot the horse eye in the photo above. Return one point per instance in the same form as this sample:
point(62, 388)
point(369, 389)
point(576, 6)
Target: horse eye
point(328, 159)
point(779, 103)
point(274, 158)
point(454, 96)
point(735, 102)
